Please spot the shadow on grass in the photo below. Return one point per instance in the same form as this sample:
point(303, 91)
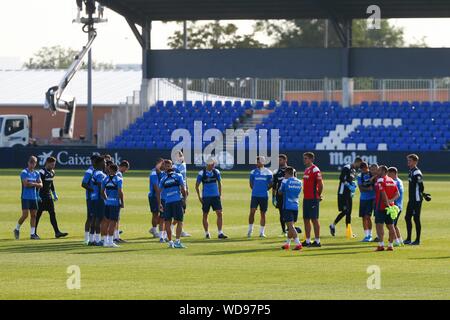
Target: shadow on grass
point(226, 252)
point(430, 258)
point(43, 247)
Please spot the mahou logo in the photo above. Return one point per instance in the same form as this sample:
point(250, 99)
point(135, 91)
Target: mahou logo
point(340, 158)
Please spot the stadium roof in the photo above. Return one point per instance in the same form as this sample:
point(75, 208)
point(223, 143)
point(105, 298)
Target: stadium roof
point(166, 10)
point(28, 87)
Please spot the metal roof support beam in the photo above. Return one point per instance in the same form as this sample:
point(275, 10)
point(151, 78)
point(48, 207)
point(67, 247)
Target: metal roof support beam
point(136, 32)
point(146, 92)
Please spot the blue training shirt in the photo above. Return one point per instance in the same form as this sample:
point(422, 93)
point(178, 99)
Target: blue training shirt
point(154, 179)
point(291, 189)
point(163, 192)
point(399, 201)
point(209, 179)
point(363, 180)
point(260, 179)
point(181, 169)
point(97, 177)
point(29, 193)
point(87, 178)
point(112, 185)
point(171, 184)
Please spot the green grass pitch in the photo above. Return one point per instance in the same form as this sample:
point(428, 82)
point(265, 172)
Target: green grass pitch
point(238, 268)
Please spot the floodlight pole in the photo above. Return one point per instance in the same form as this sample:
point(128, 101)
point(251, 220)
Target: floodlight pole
point(90, 108)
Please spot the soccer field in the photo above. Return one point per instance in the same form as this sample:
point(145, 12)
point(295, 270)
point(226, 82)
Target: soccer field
point(236, 268)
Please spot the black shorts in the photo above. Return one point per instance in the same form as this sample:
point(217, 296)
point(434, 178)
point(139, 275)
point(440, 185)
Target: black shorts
point(112, 213)
point(153, 202)
point(261, 202)
point(99, 208)
point(413, 209)
point(344, 202)
point(310, 209)
point(28, 204)
point(173, 210)
point(382, 218)
point(290, 215)
point(279, 203)
point(211, 202)
point(366, 208)
point(46, 205)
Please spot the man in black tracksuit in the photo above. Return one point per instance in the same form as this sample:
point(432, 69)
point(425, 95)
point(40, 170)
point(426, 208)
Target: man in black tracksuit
point(277, 199)
point(415, 198)
point(46, 202)
point(346, 190)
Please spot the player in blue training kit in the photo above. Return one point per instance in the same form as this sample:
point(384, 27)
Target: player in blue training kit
point(86, 184)
point(180, 167)
point(124, 166)
point(290, 189)
point(98, 204)
point(260, 183)
point(212, 190)
point(366, 200)
point(154, 179)
point(30, 180)
point(173, 185)
point(393, 173)
point(112, 194)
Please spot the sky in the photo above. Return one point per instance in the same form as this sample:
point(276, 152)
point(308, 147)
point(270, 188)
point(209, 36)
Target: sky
point(28, 25)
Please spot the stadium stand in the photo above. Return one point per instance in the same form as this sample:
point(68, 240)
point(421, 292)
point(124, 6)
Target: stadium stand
point(303, 125)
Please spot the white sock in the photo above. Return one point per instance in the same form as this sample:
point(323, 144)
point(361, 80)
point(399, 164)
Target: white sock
point(206, 233)
point(97, 237)
point(33, 230)
point(317, 240)
point(116, 234)
point(106, 240)
point(288, 241)
point(171, 227)
point(177, 240)
point(333, 225)
point(18, 227)
point(367, 233)
point(381, 244)
point(261, 230)
point(220, 232)
point(397, 241)
point(308, 240)
point(111, 239)
point(86, 236)
point(250, 228)
point(297, 240)
point(91, 237)
point(390, 244)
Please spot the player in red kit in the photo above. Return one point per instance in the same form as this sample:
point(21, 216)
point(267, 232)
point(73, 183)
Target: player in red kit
point(312, 195)
point(386, 192)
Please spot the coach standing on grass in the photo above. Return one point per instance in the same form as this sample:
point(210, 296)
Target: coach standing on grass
point(31, 182)
point(312, 195)
point(415, 198)
point(48, 196)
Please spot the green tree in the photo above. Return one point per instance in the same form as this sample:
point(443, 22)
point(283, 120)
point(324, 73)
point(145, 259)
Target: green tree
point(213, 35)
point(311, 33)
point(57, 57)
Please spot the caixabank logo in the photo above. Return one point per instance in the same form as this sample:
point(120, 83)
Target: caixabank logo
point(72, 159)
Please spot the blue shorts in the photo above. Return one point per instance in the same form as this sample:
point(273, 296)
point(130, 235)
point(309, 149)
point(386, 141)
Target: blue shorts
point(99, 208)
point(112, 213)
point(173, 210)
point(90, 210)
point(290, 215)
point(310, 209)
point(262, 202)
point(28, 204)
point(382, 218)
point(153, 202)
point(366, 208)
point(211, 202)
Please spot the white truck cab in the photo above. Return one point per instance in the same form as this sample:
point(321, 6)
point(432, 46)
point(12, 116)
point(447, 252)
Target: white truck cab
point(14, 130)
